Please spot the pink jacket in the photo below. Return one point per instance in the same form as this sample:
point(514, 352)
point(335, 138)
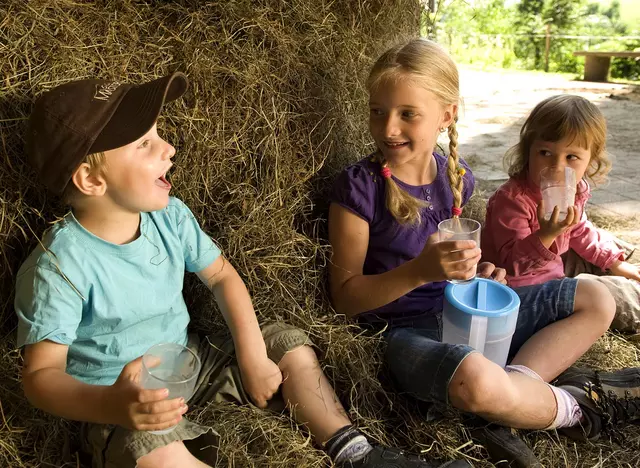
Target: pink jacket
point(509, 238)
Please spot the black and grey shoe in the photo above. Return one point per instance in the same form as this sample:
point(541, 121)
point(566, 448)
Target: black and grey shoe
point(381, 457)
point(505, 446)
point(608, 400)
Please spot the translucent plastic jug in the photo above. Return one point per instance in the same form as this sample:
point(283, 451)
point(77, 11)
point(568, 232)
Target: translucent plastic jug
point(481, 314)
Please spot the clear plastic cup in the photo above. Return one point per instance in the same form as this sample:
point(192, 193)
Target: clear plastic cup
point(558, 187)
point(460, 229)
point(171, 366)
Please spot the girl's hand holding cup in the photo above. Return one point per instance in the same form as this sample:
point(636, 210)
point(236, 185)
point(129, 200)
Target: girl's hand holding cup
point(448, 260)
point(460, 238)
point(553, 227)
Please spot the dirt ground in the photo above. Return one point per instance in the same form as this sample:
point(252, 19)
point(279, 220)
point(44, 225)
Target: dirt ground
point(495, 105)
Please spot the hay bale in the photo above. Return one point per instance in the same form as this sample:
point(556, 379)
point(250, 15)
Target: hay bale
point(275, 93)
point(276, 108)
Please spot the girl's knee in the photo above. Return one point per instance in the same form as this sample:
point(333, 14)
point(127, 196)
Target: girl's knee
point(479, 386)
point(594, 298)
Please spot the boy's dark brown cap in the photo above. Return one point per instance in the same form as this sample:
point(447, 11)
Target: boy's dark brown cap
point(89, 116)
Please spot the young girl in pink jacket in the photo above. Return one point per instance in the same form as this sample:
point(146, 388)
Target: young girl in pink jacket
point(562, 131)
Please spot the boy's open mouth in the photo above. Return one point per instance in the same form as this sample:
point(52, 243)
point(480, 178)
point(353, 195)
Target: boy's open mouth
point(162, 182)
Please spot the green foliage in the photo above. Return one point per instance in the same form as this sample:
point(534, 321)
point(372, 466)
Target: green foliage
point(478, 33)
point(512, 34)
point(626, 68)
point(530, 23)
point(558, 17)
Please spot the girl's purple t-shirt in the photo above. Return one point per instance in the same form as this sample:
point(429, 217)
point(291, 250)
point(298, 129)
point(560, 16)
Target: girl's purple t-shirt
point(361, 189)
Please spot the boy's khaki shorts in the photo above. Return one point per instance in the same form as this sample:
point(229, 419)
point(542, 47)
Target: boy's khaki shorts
point(625, 292)
point(219, 381)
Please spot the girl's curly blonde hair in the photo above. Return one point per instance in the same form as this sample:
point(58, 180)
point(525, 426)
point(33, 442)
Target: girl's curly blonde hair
point(563, 117)
point(427, 64)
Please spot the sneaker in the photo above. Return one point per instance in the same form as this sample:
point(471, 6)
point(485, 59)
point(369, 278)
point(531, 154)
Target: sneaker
point(501, 443)
point(504, 445)
point(381, 457)
point(607, 399)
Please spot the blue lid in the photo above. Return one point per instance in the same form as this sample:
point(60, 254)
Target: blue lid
point(482, 297)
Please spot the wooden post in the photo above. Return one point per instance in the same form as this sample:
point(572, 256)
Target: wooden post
point(596, 68)
point(547, 46)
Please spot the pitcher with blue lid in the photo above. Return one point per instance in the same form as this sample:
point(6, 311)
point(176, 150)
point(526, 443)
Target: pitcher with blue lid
point(483, 314)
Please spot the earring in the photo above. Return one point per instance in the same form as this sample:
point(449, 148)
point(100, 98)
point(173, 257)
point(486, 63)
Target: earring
point(443, 129)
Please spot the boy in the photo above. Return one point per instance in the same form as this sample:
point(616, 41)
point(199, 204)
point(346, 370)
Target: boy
point(106, 284)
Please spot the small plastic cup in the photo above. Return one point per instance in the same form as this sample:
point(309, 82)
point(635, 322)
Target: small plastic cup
point(460, 229)
point(171, 366)
point(558, 188)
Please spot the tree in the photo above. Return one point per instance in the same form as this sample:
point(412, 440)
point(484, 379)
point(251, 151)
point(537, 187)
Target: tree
point(536, 17)
point(613, 13)
point(530, 23)
point(488, 32)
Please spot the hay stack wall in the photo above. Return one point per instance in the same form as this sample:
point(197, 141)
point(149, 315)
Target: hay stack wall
point(276, 106)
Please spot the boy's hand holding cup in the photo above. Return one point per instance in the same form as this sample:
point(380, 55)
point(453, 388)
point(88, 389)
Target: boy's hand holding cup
point(151, 392)
point(136, 408)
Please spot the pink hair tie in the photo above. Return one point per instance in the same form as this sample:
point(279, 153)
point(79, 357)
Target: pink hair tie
point(456, 211)
point(385, 172)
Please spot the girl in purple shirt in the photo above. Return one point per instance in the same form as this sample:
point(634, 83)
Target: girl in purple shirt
point(388, 270)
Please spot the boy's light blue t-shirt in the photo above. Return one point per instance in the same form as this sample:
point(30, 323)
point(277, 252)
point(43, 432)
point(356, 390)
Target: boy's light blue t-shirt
point(110, 303)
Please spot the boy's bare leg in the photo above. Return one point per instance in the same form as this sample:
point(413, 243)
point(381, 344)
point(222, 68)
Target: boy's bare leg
point(174, 455)
point(309, 394)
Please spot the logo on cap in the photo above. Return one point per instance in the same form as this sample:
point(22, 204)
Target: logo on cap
point(104, 91)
